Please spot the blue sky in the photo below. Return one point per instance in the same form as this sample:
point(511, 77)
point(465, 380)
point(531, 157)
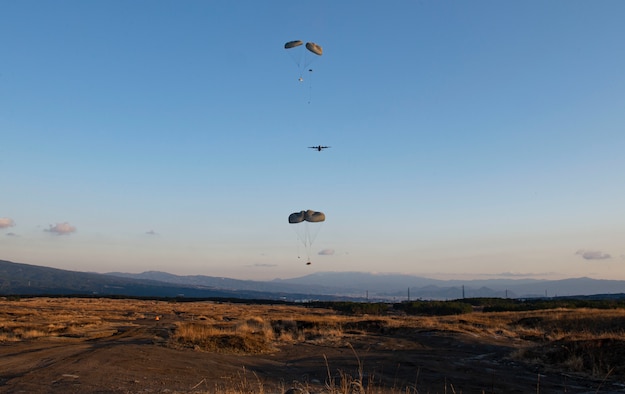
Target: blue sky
point(469, 138)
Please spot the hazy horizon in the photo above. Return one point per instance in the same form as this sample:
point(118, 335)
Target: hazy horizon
point(468, 140)
point(435, 276)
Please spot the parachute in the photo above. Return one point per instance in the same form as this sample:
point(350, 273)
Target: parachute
point(314, 48)
point(302, 54)
point(293, 44)
point(309, 216)
point(306, 226)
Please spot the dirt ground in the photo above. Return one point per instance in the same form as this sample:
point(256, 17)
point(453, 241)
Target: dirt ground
point(138, 358)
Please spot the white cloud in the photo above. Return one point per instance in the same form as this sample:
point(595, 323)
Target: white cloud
point(523, 274)
point(593, 255)
point(61, 229)
point(6, 222)
point(326, 252)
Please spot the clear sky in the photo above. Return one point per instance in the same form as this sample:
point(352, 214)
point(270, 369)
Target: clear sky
point(469, 139)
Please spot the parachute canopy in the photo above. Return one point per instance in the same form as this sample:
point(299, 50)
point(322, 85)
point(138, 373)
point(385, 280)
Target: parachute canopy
point(293, 44)
point(314, 48)
point(308, 216)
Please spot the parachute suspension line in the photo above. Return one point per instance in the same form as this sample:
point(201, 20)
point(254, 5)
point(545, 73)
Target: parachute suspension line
point(300, 61)
point(313, 51)
point(309, 235)
point(309, 85)
point(298, 254)
point(301, 240)
point(308, 243)
point(312, 235)
point(304, 239)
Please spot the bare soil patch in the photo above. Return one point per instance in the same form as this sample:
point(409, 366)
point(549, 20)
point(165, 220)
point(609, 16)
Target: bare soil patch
point(67, 345)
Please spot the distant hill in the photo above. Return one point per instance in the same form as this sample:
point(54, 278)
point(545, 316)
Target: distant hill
point(275, 286)
point(24, 279)
point(398, 285)
point(361, 285)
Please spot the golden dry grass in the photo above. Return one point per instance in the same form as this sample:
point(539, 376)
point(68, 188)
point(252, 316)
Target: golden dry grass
point(75, 317)
point(582, 340)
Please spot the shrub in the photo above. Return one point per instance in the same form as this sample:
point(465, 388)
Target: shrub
point(434, 308)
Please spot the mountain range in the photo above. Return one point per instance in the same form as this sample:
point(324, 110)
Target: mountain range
point(21, 279)
point(398, 287)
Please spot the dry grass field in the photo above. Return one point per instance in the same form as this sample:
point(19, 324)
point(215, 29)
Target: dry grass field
point(89, 345)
